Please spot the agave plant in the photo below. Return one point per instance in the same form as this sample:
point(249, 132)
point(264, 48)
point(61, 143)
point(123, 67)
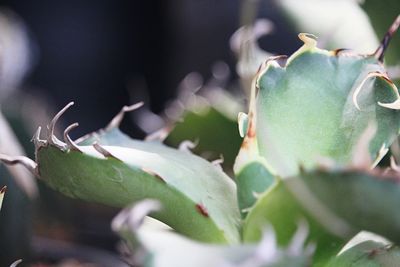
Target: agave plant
point(306, 180)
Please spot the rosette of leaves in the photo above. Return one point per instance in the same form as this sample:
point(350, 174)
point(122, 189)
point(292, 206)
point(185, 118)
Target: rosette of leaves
point(315, 104)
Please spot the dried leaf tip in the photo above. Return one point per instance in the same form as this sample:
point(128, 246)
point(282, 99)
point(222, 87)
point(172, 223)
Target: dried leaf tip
point(116, 121)
point(380, 51)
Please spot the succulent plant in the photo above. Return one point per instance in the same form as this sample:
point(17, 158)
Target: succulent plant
point(318, 124)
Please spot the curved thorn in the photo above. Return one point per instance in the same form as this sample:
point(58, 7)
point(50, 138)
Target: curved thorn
point(103, 151)
point(71, 144)
point(51, 138)
point(360, 86)
point(116, 121)
point(394, 105)
point(36, 139)
point(380, 51)
point(15, 263)
point(24, 161)
point(187, 145)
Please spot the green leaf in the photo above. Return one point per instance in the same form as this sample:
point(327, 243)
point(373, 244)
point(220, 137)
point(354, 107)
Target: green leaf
point(360, 198)
point(335, 203)
point(368, 254)
point(251, 181)
point(318, 104)
point(212, 126)
point(152, 247)
point(110, 168)
point(280, 209)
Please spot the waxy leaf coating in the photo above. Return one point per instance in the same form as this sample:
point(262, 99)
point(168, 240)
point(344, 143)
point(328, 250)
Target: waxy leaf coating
point(109, 167)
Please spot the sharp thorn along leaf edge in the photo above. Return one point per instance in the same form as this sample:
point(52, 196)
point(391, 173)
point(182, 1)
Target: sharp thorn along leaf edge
point(394, 105)
point(67, 139)
point(24, 161)
point(36, 138)
point(16, 263)
point(187, 145)
point(380, 51)
point(103, 151)
point(51, 138)
point(116, 121)
point(69, 143)
point(124, 160)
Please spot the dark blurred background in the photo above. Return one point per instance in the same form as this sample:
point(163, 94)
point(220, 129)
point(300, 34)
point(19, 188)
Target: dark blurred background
point(106, 54)
point(103, 55)
point(96, 52)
